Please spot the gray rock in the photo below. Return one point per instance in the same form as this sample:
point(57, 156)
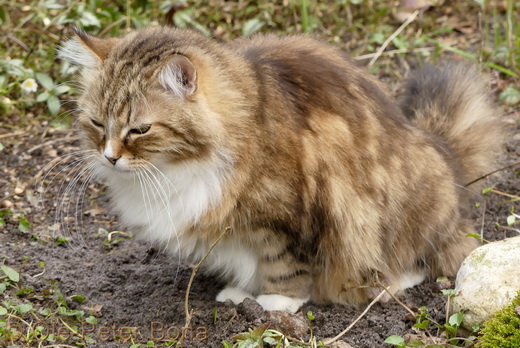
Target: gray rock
point(488, 280)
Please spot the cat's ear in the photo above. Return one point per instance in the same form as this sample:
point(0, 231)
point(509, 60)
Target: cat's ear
point(85, 50)
point(178, 75)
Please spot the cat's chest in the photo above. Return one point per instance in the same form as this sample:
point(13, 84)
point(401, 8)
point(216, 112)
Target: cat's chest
point(163, 204)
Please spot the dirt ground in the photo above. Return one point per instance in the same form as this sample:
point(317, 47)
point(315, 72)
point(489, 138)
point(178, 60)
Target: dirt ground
point(129, 283)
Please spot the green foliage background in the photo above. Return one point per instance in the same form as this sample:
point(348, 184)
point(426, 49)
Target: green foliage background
point(33, 29)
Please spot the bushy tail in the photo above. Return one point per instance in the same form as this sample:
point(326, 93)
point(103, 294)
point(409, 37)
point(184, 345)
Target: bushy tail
point(452, 101)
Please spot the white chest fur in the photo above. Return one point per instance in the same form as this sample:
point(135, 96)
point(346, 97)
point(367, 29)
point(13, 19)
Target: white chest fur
point(161, 203)
point(164, 202)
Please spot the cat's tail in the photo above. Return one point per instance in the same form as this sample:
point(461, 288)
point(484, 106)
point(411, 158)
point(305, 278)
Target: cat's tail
point(452, 102)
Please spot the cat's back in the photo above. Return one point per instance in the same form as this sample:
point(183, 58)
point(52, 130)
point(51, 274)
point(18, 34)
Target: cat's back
point(310, 75)
point(296, 50)
point(298, 62)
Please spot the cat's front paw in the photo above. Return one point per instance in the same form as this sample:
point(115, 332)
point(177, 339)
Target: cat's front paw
point(234, 294)
point(280, 303)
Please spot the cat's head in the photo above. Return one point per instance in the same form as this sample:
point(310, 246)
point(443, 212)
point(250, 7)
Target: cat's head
point(146, 98)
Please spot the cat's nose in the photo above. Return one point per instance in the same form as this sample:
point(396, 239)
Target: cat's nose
point(112, 160)
point(110, 154)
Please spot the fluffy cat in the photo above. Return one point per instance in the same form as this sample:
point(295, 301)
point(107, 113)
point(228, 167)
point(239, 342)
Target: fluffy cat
point(327, 184)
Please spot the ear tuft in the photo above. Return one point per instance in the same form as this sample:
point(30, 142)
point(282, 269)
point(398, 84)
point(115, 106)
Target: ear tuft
point(179, 76)
point(85, 50)
point(77, 53)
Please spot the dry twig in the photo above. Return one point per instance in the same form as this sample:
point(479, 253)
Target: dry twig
point(493, 172)
point(194, 273)
point(393, 36)
point(13, 134)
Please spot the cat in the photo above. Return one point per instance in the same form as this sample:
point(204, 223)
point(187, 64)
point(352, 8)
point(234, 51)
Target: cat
point(325, 184)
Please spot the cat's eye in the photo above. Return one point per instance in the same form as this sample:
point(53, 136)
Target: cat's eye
point(141, 130)
point(97, 124)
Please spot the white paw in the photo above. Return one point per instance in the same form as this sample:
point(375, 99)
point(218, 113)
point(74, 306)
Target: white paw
point(234, 294)
point(397, 285)
point(408, 280)
point(280, 303)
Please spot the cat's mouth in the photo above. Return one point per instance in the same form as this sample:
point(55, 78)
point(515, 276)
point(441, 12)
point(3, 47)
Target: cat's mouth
point(122, 167)
point(122, 171)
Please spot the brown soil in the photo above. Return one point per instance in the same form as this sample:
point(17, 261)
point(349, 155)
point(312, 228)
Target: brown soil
point(131, 284)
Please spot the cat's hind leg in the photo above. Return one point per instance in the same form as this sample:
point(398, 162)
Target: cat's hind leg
point(286, 282)
point(282, 282)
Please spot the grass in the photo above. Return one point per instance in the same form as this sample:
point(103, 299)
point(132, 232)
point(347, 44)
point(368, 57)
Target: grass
point(35, 87)
point(33, 30)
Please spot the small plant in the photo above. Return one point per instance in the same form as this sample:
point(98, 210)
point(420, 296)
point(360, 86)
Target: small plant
point(264, 337)
point(214, 315)
point(446, 335)
point(62, 240)
point(108, 240)
point(26, 308)
point(51, 93)
point(10, 277)
point(7, 214)
point(260, 337)
point(396, 340)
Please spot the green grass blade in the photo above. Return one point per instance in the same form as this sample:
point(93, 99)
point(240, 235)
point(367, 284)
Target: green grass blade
point(305, 16)
point(471, 56)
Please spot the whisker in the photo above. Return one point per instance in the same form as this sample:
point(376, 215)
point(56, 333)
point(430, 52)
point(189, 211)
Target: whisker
point(81, 198)
point(146, 198)
point(171, 223)
point(164, 197)
point(64, 159)
point(170, 220)
point(67, 194)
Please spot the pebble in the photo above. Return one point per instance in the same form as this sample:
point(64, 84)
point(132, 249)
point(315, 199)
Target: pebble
point(6, 204)
point(442, 285)
point(251, 310)
point(294, 325)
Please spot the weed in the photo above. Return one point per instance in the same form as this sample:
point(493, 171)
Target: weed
point(109, 240)
point(42, 316)
point(446, 335)
point(264, 337)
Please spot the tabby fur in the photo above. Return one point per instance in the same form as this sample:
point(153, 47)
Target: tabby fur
point(327, 184)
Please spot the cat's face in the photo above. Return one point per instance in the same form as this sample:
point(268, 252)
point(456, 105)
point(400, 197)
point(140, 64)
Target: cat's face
point(130, 130)
point(136, 112)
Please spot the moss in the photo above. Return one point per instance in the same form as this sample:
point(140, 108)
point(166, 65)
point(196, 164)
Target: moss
point(503, 330)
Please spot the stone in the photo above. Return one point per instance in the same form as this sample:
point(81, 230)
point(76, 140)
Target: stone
point(488, 279)
point(251, 310)
point(293, 325)
point(6, 204)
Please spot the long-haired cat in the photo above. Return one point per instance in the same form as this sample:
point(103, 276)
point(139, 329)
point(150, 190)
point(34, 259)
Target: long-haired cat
point(327, 183)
